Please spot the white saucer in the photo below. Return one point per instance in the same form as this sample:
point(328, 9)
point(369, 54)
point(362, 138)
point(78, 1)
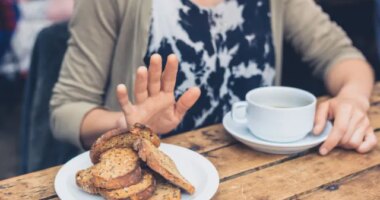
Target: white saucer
point(193, 166)
point(241, 133)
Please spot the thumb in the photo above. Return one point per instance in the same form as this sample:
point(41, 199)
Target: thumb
point(321, 117)
point(186, 101)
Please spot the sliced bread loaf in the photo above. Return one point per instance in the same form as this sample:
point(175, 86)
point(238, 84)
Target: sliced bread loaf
point(165, 191)
point(162, 164)
point(140, 191)
point(118, 138)
point(117, 168)
point(84, 180)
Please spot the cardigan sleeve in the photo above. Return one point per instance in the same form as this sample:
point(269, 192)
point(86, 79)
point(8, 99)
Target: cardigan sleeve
point(320, 41)
point(83, 77)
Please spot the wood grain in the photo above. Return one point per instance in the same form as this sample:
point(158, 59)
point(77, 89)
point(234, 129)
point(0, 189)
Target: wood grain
point(40, 185)
point(203, 140)
point(36, 185)
point(297, 176)
point(364, 186)
point(247, 174)
point(238, 158)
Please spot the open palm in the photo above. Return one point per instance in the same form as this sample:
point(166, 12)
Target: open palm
point(155, 104)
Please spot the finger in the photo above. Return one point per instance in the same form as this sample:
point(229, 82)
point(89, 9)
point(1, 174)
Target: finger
point(340, 126)
point(154, 75)
point(370, 141)
point(141, 85)
point(321, 118)
point(355, 121)
point(358, 136)
point(170, 74)
point(186, 101)
point(122, 97)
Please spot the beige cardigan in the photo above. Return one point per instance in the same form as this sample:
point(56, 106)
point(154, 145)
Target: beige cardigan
point(109, 39)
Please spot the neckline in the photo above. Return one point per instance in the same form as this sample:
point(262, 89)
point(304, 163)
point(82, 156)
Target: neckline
point(206, 7)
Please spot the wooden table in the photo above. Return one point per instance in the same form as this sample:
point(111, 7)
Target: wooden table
point(247, 174)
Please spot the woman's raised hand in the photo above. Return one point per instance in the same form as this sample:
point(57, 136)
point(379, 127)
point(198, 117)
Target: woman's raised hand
point(155, 104)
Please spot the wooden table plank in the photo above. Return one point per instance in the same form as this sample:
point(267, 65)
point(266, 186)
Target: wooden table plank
point(41, 184)
point(297, 176)
point(36, 185)
point(238, 158)
point(244, 172)
point(360, 187)
point(203, 140)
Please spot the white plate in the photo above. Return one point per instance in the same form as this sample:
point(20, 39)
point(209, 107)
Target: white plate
point(241, 133)
point(193, 166)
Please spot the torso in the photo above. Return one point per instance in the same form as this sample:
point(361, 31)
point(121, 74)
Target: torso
point(224, 49)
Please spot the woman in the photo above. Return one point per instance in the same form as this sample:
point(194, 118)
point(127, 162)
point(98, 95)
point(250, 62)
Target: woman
point(224, 48)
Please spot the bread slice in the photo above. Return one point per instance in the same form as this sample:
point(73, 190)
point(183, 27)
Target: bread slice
point(84, 180)
point(118, 168)
point(162, 164)
point(140, 191)
point(165, 191)
point(118, 138)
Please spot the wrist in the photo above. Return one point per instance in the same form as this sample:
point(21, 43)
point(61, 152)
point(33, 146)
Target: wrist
point(95, 123)
point(120, 121)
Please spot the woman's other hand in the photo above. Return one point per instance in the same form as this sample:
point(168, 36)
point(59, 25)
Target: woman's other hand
point(352, 128)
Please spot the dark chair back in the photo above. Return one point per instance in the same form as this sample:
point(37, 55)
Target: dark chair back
point(40, 149)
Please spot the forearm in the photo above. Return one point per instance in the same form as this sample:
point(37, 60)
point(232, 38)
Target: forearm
point(95, 123)
point(352, 78)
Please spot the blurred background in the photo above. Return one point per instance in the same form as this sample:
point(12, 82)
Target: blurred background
point(22, 21)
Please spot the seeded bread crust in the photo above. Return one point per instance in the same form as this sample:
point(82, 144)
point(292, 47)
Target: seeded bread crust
point(165, 191)
point(162, 164)
point(84, 180)
point(140, 191)
point(117, 168)
point(121, 138)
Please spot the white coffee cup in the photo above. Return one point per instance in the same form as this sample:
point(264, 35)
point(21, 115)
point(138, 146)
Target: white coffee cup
point(277, 114)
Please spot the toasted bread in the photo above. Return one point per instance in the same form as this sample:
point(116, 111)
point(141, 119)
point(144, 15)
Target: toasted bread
point(84, 180)
point(162, 164)
point(165, 191)
point(118, 168)
point(118, 138)
point(140, 191)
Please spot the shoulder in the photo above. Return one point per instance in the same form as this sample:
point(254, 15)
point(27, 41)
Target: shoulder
point(108, 7)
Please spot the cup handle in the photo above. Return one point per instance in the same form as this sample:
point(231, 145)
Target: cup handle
point(235, 107)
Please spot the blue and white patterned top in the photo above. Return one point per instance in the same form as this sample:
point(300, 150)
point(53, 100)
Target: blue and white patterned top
point(226, 50)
